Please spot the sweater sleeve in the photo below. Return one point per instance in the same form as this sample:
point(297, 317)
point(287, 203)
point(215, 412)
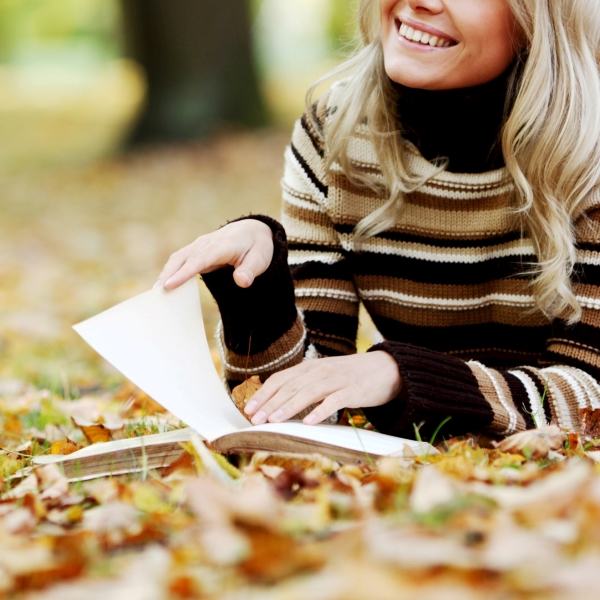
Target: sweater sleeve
point(305, 305)
point(502, 401)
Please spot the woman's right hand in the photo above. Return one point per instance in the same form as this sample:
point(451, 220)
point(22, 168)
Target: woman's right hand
point(246, 245)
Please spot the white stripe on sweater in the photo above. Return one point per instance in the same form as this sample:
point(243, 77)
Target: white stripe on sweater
point(298, 257)
point(297, 349)
point(572, 382)
point(449, 303)
point(512, 417)
point(326, 293)
point(535, 402)
point(477, 255)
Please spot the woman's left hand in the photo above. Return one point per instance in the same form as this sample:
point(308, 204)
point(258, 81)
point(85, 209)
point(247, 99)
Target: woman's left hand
point(353, 381)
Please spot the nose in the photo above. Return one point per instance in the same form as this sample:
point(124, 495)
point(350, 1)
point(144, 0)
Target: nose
point(431, 6)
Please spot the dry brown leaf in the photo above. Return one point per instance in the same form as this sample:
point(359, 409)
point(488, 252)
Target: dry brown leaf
point(64, 447)
point(533, 443)
point(96, 434)
point(243, 392)
point(590, 423)
point(138, 400)
point(183, 464)
point(289, 460)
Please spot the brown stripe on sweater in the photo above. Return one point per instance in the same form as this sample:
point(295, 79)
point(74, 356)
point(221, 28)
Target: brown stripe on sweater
point(327, 305)
point(516, 287)
point(435, 317)
point(274, 352)
point(467, 205)
point(501, 419)
point(572, 349)
point(569, 394)
point(328, 346)
point(301, 215)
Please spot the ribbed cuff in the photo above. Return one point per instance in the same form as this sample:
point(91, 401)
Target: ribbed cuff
point(255, 317)
point(434, 386)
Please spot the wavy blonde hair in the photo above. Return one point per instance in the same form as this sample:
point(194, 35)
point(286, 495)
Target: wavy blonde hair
point(550, 139)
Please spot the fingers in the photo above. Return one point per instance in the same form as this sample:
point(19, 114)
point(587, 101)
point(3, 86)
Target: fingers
point(329, 406)
point(195, 260)
point(246, 245)
point(299, 388)
point(273, 384)
point(354, 381)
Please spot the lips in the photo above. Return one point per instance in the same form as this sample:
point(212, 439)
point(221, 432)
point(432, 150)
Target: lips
point(413, 33)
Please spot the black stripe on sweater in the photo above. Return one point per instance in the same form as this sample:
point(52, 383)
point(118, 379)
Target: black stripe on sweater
point(466, 338)
point(309, 130)
point(519, 397)
point(311, 175)
point(450, 243)
point(429, 271)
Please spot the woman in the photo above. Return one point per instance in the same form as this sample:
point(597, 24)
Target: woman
point(450, 183)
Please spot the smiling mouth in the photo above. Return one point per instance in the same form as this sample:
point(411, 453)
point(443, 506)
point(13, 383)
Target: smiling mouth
point(422, 37)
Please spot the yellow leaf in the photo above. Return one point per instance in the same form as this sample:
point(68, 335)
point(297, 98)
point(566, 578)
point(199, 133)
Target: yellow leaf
point(64, 447)
point(96, 433)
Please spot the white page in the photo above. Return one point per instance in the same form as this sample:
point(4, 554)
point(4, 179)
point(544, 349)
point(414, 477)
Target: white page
point(361, 440)
point(157, 340)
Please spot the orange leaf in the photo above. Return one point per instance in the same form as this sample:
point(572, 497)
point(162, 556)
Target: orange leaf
point(184, 463)
point(13, 428)
point(590, 422)
point(243, 392)
point(96, 433)
point(64, 447)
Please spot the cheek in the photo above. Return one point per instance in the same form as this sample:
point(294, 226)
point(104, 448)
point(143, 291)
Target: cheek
point(494, 48)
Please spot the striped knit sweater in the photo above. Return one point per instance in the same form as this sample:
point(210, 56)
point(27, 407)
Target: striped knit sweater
point(446, 287)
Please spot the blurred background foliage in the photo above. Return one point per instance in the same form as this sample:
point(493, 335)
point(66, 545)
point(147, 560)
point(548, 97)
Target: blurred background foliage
point(93, 199)
point(88, 72)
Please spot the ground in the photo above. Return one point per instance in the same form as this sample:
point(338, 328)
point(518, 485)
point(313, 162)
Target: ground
point(517, 521)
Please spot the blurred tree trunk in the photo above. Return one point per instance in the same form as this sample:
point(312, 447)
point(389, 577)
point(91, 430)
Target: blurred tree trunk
point(199, 67)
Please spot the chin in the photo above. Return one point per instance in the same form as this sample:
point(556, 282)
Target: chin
point(416, 80)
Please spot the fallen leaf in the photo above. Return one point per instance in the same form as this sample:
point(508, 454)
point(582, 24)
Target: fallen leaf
point(533, 443)
point(64, 447)
point(590, 423)
point(96, 434)
point(243, 392)
point(183, 465)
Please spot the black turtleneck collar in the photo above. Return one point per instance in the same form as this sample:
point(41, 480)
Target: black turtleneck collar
point(462, 125)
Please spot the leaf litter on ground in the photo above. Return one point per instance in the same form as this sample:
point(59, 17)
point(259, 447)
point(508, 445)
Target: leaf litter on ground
point(519, 520)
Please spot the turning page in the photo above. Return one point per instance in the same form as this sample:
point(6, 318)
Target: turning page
point(157, 340)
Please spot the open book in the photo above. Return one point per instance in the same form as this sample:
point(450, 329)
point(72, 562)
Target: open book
point(158, 341)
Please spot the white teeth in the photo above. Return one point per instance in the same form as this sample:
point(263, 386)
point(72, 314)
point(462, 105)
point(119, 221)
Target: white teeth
point(415, 35)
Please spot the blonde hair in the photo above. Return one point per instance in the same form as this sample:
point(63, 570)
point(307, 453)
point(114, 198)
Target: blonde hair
point(550, 140)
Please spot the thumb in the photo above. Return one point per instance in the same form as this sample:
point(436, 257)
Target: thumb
point(251, 267)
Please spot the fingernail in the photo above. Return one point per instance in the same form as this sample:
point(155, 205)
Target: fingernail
point(259, 418)
point(310, 419)
point(168, 281)
point(244, 277)
point(157, 284)
point(276, 416)
point(250, 407)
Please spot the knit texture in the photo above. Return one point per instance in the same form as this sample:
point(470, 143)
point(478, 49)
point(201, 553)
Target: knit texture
point(447, 286)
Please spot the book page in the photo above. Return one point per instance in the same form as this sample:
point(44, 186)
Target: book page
point(157, 340)
point(361, 440)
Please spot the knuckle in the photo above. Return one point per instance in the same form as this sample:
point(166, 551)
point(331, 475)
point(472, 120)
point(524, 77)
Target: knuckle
point(292, 387)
